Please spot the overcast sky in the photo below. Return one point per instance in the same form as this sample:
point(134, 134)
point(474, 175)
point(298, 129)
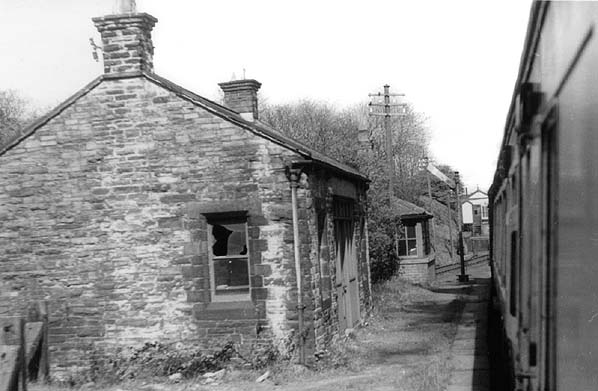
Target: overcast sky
point(456, 61)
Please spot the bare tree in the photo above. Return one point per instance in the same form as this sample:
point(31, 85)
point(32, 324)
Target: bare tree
point(319, 125)
point(335, 132)
point(14, 113)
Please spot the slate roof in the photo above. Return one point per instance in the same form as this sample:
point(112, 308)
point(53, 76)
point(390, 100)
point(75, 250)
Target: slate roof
point(259, 128)
point(407, 210)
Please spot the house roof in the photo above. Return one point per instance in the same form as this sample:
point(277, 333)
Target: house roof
point(406, 210)
point(259, 128)
point(478, 194)
point(478, 191)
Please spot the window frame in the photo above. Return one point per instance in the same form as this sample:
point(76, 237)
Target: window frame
point(219, 219)
point(484, 211)
point(416, 229)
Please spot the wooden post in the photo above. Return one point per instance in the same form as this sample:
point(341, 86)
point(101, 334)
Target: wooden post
point(22, 356)
point(44, 364)
point(12, 358)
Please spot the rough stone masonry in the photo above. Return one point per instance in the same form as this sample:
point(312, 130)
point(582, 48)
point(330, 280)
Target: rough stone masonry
point(106, 207)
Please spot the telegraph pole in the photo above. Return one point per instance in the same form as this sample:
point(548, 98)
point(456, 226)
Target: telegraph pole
point(462, 277)
point(389, 158)
point(390, 163)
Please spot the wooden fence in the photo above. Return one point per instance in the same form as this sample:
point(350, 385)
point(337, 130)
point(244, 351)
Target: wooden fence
point(480, 258)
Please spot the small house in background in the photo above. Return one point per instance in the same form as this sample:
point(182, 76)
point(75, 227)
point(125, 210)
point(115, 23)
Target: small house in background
point(144, 212)
point(416, 257)
point(474, 209)
point(475, 213)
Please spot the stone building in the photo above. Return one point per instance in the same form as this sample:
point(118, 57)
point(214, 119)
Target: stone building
point(417, 260)
point(143, 212)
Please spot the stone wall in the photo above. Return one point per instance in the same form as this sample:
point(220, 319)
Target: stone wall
point(101, 216)
point(418, 270)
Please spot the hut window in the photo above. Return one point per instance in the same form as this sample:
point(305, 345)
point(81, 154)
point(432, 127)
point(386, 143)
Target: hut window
point(229, 260)
point(407, 241)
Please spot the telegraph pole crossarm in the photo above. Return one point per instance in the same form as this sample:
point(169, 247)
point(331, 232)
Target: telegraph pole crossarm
point(380, 94)
point(387, 115)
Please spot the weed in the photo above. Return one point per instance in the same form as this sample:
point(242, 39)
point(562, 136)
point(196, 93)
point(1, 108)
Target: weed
point(157, 359)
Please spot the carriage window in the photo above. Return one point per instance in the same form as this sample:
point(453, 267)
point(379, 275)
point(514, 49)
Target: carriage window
point(407, 241)
point(229, 266)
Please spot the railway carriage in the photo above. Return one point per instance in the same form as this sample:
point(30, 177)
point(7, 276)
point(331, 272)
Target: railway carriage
point(544, 205)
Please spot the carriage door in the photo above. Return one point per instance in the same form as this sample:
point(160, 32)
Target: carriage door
point(346, 263)
point(546, 278)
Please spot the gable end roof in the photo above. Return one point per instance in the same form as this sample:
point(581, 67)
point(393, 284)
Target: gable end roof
point(407, 210)
point(259, 128)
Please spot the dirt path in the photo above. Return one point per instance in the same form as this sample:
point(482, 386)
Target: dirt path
point(405, 346)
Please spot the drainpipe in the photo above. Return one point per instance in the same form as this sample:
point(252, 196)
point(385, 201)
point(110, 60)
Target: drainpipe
point(367, 244)
point(294, 177)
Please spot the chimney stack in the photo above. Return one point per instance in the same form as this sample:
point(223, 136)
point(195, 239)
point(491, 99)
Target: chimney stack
point(126, 39)
point(241, 96)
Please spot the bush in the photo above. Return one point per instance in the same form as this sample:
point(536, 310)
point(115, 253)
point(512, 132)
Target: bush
point(384, 261)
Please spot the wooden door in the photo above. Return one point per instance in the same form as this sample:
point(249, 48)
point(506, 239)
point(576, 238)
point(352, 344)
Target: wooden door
point(347, 286)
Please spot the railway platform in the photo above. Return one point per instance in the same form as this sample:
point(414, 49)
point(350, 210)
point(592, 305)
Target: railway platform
point(469, 351)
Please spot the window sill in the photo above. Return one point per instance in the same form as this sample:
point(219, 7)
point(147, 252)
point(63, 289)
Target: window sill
point(414, 260)
point(239, 298)
point(227, 310)
point(228, 305)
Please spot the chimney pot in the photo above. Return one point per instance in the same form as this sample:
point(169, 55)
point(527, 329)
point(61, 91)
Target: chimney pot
point(241, 96)
point(126, 6)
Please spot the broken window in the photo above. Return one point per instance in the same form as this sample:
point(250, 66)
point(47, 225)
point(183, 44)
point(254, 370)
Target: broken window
point(229, 261)
point(407, 240)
